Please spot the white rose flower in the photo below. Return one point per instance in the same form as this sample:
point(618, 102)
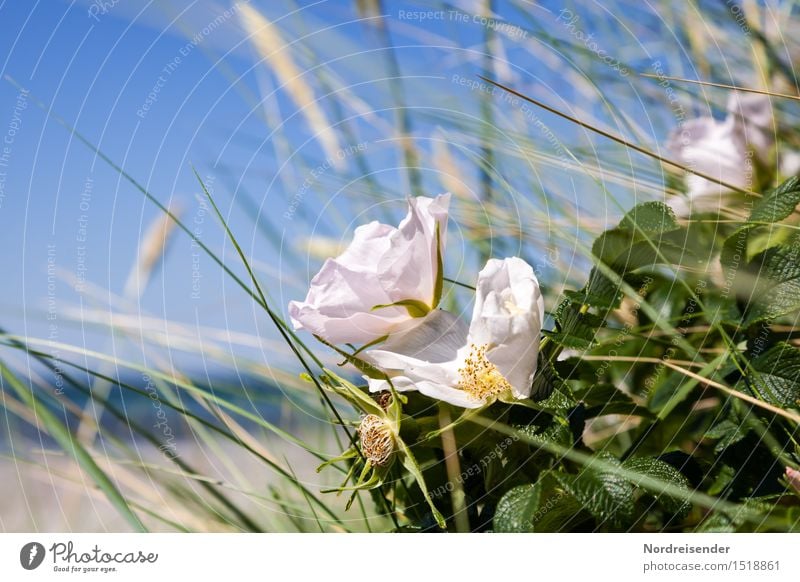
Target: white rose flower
point(495, 358)
point(385, 282)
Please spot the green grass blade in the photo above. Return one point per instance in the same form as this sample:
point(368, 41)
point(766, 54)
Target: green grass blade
point(71, 446)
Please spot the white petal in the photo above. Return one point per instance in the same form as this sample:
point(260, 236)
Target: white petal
point(447, 394)
point(722, 150)
point(430, 389)
point(789, 163)
point(400, 383)
point(409, 268)
point(507, 318)
point(754, 122)
point(381, 266)
point(416, 369)
point(717, 149)
point(436, 339)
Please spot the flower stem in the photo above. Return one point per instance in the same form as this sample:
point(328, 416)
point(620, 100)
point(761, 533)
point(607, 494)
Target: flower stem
point(453, 467)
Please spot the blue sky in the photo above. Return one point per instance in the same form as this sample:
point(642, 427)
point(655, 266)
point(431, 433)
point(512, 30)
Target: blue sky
point(128, 77)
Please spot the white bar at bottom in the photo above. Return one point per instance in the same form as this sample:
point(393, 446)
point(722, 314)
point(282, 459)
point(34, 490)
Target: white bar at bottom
point(407, 557)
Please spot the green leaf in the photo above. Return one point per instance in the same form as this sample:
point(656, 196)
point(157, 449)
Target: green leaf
point(556, 498)
point(541, 506)
point(777, 375)
point(575, 329)
point(630, 245)
point(516, 509)
point(728, 431)
point(776, 289)
point(599, 291)
point(662, 471)
point(555, 432)
point(546, 380)
point(602, 398)
point(608, 497)
point(647, 235)
point(776, 205)
point(650, 217)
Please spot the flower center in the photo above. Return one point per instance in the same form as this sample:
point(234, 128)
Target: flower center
point(377, 441)
point(479, 377)
point(512, 307)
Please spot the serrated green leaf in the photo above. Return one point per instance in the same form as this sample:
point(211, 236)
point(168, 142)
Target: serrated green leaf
point(727, 432)
point(602, 398)
point(599, 291)
point(776, 376)
point(776, 205)
point(546, 380)
point(647, 235)
point(658, 469)
point(619, 247)
point(555, 433)
point(623, 253)
point(575, 330)
point(650, 217)
point(515, 510)
point(776, 272)
point(541, 506)
point(607, 497)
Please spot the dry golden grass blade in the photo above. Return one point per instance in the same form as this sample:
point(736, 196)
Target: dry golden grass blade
point(448, 172)
point(734, 393)
point(269, 43)
point(673, 365)
point(641, 360)
point(619, 140)
point(722, 86)
point(152, 248)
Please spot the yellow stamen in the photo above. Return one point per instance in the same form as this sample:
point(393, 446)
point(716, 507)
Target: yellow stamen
point(377, 441)
point(479, 377)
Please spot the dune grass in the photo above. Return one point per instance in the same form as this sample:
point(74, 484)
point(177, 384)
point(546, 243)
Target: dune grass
point(540, 181)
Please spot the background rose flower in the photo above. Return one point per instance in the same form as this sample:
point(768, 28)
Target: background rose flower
point(731, 150)
point(385, 280)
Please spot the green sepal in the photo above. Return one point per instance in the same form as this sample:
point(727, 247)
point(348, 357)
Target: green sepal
point(351, 393)
point(361, 365)
point(348, 454)
point(439, 285)
point(411, 465)
point(415, 307)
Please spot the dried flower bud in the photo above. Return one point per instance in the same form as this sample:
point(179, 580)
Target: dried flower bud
point(377, 440)
point(384, 399)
